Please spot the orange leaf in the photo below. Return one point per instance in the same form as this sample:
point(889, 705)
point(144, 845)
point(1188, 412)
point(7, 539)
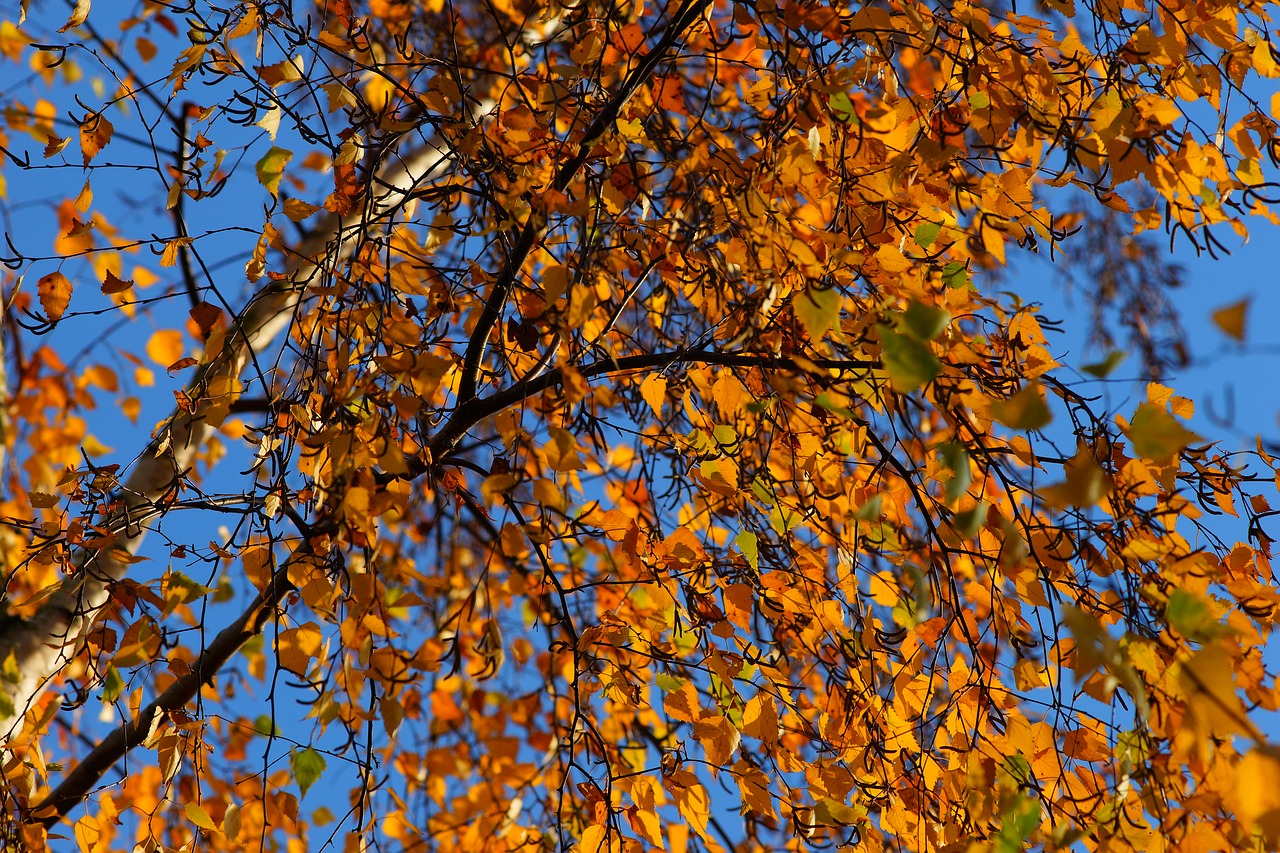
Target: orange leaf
point(1231, 319)
point(95, 133)
point(165, 347)
point(297, 647)
point(55, 294)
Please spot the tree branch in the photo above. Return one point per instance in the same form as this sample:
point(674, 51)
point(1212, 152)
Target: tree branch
point(535, 227)
point(80, 781)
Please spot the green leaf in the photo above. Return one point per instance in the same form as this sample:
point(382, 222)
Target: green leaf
point(307, 765)
point(842, 107)
point(907, 361)
point(818, 310)
point(761, 490)
point(1157, 435)
point(956, 458)
point(668, 683)
point(1017, 822)
point(979, 100)
point(926, 233)
point(1102, 369)
point(968, 523)
point(955, 275)
point(825, 401)
point(924, 322)
point(264, 725)
point(870, 510)
point(749, 545)
point(1025, 410)
point(271, 167)
point(1191, 616)
point(112, 685)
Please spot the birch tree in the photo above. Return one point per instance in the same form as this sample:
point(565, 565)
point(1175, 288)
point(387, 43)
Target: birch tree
point(595, 427)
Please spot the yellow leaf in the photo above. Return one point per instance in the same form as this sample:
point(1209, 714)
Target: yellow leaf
point(818, 310)
point(654, 391)
point(55, 294)
point(1256, 795)
point(695, 805)
point(1213, 708)
point(1156, 434)
point(760, 719)
point(200, 817)
point(1231, 319)
point(296, 647)
point(88, 834)
point(593, 839)
point(165, 347)
point(754, 785)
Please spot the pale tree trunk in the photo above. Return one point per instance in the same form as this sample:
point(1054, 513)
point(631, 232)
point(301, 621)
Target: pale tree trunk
point(56, 635)
point(42, 645)
point(46, 643)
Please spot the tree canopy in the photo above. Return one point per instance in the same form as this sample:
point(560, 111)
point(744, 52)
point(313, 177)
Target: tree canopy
point(620, 426)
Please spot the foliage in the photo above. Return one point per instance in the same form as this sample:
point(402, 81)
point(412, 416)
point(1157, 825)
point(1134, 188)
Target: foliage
point(622, 426)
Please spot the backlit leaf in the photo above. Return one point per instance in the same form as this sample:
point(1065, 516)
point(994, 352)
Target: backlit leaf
point(306, 765)
point(818, 311)
point(271, 167)
point(1231, 319)
point(55, 294)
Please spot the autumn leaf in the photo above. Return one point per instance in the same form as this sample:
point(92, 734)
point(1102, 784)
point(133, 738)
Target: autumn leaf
point(79, 14)
point(1231, 319)
point(113, 284)
point(55, 294)
point(818, 311)
point(297, 647)
point(271, 167)
point(95, 133)
point(1256, 793)
point(165, 346)
point(1025, 410)
point(198, 816)
point(654, 391)
point(1156, 434)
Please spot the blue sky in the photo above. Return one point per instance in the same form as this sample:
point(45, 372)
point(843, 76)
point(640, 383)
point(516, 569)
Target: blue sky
point(1222, 371)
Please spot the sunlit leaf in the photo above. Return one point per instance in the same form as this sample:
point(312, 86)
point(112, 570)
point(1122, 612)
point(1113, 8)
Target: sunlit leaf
point(271, 167)
point(306, 765)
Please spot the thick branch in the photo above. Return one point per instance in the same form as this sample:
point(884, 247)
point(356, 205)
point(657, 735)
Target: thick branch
point(470, 413)
point(55, 634)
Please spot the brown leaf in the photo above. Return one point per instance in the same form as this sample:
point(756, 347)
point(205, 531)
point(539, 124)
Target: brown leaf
point(112, 284)
point(205, 316)
point(95, 133)
point(55, 294)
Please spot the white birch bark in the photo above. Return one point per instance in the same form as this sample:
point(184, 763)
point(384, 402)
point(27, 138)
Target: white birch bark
point(43, 645)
